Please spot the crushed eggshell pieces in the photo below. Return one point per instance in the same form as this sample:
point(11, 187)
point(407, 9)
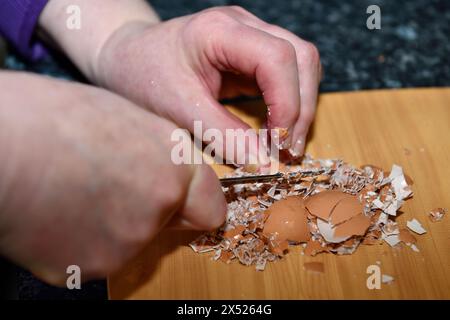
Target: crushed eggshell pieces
point(323, 205)
point(387, 279)
point(415, 226)
point(437, 214)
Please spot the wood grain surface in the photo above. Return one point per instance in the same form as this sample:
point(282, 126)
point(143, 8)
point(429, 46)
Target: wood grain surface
point(408, 127)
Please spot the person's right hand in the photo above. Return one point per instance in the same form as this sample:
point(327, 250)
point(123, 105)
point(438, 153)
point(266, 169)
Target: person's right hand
point(86, 179)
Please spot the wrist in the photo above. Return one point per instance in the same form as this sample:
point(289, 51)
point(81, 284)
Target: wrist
point(98, 23)
point(109, 54)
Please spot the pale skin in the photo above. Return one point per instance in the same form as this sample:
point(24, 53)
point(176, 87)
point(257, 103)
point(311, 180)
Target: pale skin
point(82, 168)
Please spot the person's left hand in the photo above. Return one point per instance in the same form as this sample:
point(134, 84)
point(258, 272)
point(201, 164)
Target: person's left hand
point(180, 68)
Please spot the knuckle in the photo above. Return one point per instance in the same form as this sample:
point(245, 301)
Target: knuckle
point(283, 51)
point(274, 29)
point(210, 18)
point(210, 22)
point(310, 52)
point(171, 196)
point(238, 9)
point(172, 199)
point(148, 206)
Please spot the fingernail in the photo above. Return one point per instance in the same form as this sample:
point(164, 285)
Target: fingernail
point(281, 136)
point(297, 150)
point(257, 161)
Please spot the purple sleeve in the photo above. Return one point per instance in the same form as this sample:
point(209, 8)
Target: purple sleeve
point(18, 19)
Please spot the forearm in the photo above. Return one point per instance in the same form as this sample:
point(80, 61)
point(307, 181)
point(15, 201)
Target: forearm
point(99, 20)
point(14, 143)
point(28, 131)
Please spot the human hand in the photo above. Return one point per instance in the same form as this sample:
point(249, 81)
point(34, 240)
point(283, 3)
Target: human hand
point(179, 68)
point(87, 179)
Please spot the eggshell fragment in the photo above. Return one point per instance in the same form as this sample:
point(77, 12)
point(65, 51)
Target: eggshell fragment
point(387, 279)
point(313, 247)
point(437, 214)
point(327, 231)
point(231, 233)
point(226, 256)
point(278, 247)
point(392, 240)
point(288, 220)
point(415, 226)
point(357, 226)
point(409, 180)
point(406, 236)
point(398, 182)
point(345, 209)
point(322, 204)
point(372, 237)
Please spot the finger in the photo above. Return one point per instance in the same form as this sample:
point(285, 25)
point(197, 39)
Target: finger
point(270, 60)
point(231, 139)
point(205, 205)
point(310, 74)
point(309, 86)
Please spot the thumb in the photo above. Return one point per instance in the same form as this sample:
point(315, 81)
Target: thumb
point(205, 206)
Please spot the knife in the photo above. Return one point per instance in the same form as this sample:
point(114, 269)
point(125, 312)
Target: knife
point(250, 179)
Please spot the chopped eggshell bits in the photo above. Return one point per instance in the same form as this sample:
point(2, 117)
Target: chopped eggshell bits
point(406, 236)
point(436, 214)
point(322, 205)
point(415, 226)
point(387, 279)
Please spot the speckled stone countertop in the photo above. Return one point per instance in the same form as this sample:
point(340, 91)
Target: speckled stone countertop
point(412, 49)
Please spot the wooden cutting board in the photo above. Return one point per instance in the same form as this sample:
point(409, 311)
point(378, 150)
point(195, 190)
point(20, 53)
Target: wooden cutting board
point(408, 127)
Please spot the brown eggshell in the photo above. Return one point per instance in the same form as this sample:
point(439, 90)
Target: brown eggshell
point(437, 214)
point(409, 180)
point(374, 218)
point(323, 178)
point(226, 256)
point(231, 233)
point(278, 247)
point(346, 209)
point(288, 219)
point(313, 247)
point(406, 236)
point(349, 243)
point(372, 238)
point(357, 226)
point(322, 204)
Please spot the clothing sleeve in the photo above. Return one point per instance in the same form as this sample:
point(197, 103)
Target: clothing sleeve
point(18, 19)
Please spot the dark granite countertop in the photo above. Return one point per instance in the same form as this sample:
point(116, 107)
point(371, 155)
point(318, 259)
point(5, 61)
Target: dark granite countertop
point(412, 49)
